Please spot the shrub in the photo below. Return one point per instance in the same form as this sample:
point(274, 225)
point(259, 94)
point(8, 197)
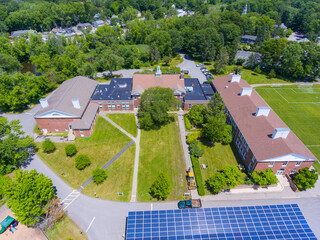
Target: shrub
point(264, 178)
point(161, 187)
point(240, 61)
point(257, 69)
point(99, 175)
point(193, 137)
point(272, 74)
point(82, 161)
point(187, 122)
point(305, 179)
point(70, 149)
point(195, 149)
point(198, 175)
point(48, 146)
point(217, 183)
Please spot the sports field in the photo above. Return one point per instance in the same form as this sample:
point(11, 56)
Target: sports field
point(299, 107)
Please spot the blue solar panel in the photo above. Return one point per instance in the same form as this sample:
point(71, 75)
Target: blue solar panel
point(226, 223)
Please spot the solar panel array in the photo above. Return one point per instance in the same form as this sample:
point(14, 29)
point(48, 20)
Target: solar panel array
point(250, 222)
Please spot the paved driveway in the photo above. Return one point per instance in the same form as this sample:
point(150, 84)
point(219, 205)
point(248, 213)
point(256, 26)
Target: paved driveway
point(190, 65)
point(126, 73)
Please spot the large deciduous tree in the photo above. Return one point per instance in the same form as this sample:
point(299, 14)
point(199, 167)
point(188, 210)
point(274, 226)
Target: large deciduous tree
point(264, 178)
point(155, 103)
point(28, 195)
point(305, 179)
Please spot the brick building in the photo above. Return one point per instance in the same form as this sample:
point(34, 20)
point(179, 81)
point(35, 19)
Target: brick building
point(68, 108)
point(262, 139)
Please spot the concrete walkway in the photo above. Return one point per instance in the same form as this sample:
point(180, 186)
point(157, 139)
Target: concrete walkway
point(136, 163)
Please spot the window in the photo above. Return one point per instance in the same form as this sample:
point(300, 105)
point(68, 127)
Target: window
point(109, 106)
point(81, 130)
point(253, 159)
point(123, 106)
point(82, 135)
point(57, 129)
point(298, 163)
point(293, 171)
point(66, 129)
point(271, 164)
point(135, 97)
point(250, 166)
point(190, 105)
point(285, 163)
point(100, 106)
point(127, 106)
point(113, 106)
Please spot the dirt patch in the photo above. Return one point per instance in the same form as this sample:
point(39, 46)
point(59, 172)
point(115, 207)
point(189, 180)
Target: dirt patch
point(23, 232)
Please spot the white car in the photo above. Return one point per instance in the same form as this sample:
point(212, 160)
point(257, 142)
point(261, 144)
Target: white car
point(200, 65)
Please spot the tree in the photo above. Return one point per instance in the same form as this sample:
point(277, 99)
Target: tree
point(28, 195)
point(240, 61)
point(222, 61)
point(99, 175)
point(161, 187)
point(232, 175)
point(48, 146)
point(264, 178)
point(162, 41)
point(216, 105)
point(70, 150)
point(82, 161)
point(192, 137)
point(167, 60)
point(198, 114)
point(13, 145)
point(154, 105)
point(129, 14)
point(290, 59)
point(305, 179)
point(251, 61)
point(217, 183)
point(111, 60)
point(9, 63)
point(195, 149)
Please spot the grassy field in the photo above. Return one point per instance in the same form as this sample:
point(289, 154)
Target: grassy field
point(161, 150)
point(105, 142)
point(125, 120)
point(65, 229)
point(299, 108)
point(120, 175)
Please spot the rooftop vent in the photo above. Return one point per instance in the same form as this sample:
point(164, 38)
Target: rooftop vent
point(158, 72)
point(263, 111)
point(44, 102)
point(122, 85)
point(189, 89)
point(76, 103)
point(281, 133)
point(235, 78)
point(246, 91)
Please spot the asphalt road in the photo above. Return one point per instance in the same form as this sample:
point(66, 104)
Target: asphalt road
point(194, 71)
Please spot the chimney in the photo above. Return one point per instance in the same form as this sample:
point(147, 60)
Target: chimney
point(76, 103)
point(44, 102)
point(246, 91)
point(235, 78)
point(281, 133)
point(158, 72)
point(263, 111)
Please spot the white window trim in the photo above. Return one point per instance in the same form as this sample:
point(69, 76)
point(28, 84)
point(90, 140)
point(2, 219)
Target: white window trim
point(298, 163)
point(271, 164)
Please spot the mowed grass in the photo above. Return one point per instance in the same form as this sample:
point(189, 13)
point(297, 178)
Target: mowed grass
point(125, 120)
point(120, 175)
point(299, 108)
point(161, 150)
point(65, 228)
point(106, 141)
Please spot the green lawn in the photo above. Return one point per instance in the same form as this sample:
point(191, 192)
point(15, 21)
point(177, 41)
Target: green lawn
point(299, 108)
point(105, 142)
point(125, 120)
point(65, 229)
point(120, 175)
point(161, 150)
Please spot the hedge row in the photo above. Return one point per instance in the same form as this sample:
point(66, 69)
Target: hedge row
point(187, 122)
point(197, 173)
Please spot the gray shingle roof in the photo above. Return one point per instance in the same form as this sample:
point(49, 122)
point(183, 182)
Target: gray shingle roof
point(87, 118)
point(61, 99)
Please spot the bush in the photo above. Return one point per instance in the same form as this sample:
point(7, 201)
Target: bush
point(198, 175)
point(240, 61)
point(257, 69)
point(264, 178)
point(272, 74)
point(48, 146)
point(196, 150)
point(99, 175)
point(193, 137)
point(217, 183)
point(71, 150)
point(82, 161)
point(187, 123)
point(305, 179)
point(161, 187)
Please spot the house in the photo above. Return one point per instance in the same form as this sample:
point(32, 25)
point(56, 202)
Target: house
point(298, 37)
point(249, 39)
point(83, 26)
point(68, 108)
point(114, 96)
point(21, 32)
point(262, 139)
point(98, 23)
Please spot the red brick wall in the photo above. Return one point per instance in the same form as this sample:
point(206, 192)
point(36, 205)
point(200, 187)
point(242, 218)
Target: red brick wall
point(51, 124)
point(86, 133)
point(117, 104)
point(278, 165)
point(186, 104)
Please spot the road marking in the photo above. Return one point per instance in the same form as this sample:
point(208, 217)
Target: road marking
point(70, 199)
point(151, 206)
point(90, 224)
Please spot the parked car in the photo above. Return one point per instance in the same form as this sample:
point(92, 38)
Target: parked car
point(200, 65)
point(206, 73)
point(185, 71)
point(209, 77)
point(191, 203)
point(203, 68)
